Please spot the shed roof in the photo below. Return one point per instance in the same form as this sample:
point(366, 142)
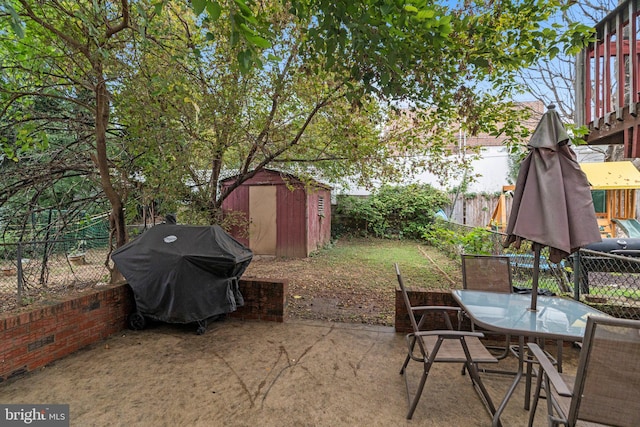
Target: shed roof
point(612, 175)
point(285, 176)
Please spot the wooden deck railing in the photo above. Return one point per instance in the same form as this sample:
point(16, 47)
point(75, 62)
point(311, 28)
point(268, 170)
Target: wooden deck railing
point(608, 81)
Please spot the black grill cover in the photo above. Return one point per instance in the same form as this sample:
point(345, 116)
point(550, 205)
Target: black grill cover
point(183, 274)
point(621, 245)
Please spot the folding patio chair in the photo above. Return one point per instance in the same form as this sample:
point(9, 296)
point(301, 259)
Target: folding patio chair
point(441, 346)
point(492, 273)
point(488, 273)
point(606, 388)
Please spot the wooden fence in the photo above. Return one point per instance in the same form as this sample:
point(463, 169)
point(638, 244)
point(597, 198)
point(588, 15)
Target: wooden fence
point(477, 210)
point(474, 211)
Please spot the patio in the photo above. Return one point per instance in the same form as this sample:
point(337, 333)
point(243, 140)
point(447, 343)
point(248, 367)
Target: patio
point(245, 373)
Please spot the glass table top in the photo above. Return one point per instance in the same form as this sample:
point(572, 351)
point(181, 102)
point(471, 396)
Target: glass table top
point(555, 317)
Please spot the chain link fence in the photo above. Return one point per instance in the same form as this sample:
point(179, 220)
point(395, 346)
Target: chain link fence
point(48, 270)
point(608, 282)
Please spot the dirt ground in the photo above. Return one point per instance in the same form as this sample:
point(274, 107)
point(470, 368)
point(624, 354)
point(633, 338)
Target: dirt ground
point(340, 296)
point(357, 294)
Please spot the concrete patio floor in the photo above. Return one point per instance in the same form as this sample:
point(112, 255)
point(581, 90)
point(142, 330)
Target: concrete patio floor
point(239, 373)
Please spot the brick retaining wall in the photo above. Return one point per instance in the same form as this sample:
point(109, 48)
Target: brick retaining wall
point(263, 300)
point(33, 339)
point(417, 298)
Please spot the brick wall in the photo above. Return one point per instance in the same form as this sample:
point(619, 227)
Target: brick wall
point(33, 339)
point(264, 299)
point(418, 298)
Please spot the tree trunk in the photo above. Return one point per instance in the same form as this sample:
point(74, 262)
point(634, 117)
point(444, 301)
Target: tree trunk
point(117, 218)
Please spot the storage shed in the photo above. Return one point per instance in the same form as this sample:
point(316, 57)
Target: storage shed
point(287, 217)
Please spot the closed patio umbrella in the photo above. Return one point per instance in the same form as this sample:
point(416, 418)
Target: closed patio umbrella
point(552, 203)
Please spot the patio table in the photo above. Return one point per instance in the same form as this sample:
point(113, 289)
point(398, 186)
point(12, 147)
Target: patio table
point(555, 318)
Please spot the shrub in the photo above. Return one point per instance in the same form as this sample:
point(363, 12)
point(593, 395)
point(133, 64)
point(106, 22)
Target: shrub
point(478, 240)
point(401, 211)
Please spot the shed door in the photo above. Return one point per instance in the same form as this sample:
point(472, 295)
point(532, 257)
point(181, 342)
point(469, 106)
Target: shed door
point(262, 214)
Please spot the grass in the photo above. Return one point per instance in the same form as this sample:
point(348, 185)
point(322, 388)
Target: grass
point(354, 279)
point(611, 291)
point(369, 263)
point(423, 266)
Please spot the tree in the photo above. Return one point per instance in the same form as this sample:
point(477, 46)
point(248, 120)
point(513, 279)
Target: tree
point(84, 39)
point(298, 83)
point(211, 117)
point(317, 91)
point(553, 82)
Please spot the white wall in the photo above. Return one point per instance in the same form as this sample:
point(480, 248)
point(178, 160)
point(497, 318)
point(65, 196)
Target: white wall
point(492, 169)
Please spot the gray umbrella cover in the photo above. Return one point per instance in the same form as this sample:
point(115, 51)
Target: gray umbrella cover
point(552, 203)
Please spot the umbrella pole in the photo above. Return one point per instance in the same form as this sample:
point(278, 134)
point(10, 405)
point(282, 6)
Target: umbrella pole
point(536, 271)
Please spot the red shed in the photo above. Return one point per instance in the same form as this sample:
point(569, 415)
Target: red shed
point(287, 217)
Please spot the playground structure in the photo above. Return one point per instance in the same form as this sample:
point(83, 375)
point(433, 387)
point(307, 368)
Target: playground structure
point(500, 217)
point(630, 227)
point(613, 187)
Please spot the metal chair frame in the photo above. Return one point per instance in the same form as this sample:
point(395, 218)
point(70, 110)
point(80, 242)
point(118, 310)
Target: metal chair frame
point(442, 346)
point(606, 388)
point(495, 277)
point(493, 273)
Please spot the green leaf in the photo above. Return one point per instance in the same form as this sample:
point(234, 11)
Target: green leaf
point(426, 14)
point(244, 9)
point(235, 37)
point(481, 62)
point(246, 30)
point(445, 20)
point(198, 6)
point(330, 61)
point(410, 8)
point(249, 18)
point(214, 10)
point(158, 7)
point(244, 60)
point(259, 41)
point(15, 21)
